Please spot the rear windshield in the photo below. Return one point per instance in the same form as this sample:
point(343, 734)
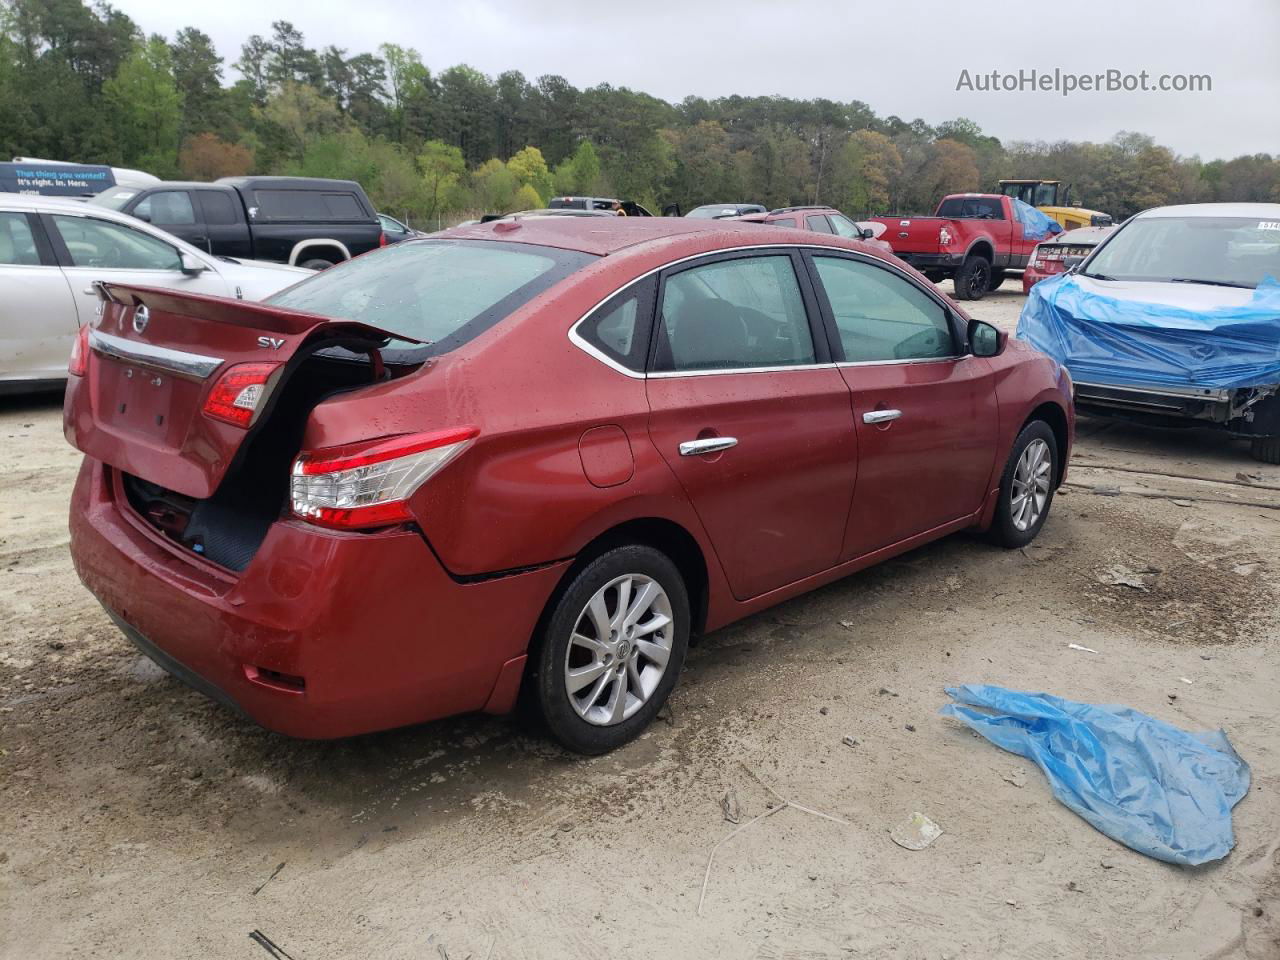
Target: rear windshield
point(307, 205)
point(440, 292)
point(1228, 251)
point(965, 208)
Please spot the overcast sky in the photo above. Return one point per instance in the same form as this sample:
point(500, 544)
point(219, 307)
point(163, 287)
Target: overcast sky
point(901, 58)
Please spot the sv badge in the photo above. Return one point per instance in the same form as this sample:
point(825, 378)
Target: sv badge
point(270, 343)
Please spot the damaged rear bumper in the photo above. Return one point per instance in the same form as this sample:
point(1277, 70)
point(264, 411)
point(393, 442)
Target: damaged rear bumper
point(325, 634)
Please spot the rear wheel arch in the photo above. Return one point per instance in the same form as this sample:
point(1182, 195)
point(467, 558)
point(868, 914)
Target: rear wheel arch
point(981, 248)
point(334, 251)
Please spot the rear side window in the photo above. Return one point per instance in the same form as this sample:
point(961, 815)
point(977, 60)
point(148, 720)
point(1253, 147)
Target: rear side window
point(881, 316)
point(746, 312)
point(17, 242)
point(620, 327)
point(818, 223)
point(440, 292)
point(783, 222)
point(218, 207)
point(306, 205)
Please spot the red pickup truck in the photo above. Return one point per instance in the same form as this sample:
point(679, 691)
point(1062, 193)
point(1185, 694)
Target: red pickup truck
point(974, 238)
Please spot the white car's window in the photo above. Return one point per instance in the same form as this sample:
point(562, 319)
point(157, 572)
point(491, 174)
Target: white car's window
point(17, 244)
point(167, 206)
point(881, 316)
point(747, 312)
point(112, 246)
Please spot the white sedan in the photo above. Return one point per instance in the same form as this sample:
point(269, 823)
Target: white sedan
point(51, 252)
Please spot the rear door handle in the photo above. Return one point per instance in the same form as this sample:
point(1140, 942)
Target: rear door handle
point(881, 416)
point(699, 448)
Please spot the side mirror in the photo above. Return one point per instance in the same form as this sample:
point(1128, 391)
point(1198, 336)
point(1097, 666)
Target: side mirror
point(191, 266)
point(867, 233)
point(985, 340)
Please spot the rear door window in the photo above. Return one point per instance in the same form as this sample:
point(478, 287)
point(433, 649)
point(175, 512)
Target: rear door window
point(113, 246)
point(881, 316)
point(441, 292)
point(219, 208)
point(734, 314)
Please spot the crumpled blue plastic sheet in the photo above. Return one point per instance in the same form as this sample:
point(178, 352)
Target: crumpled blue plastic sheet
point(1160, 790)
point(1035, 224)
point(1103, 339)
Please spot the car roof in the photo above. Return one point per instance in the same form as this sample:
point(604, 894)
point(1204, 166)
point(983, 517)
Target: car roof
point(1263, 211)
point(25, 201)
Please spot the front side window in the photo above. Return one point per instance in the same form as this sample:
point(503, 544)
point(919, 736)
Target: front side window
point(17, 242)
point(166, 206)
point(881, 316)
point(845, 227)
point(818, 223)
point(113, 246)
point(433, 291)
point(730, 314)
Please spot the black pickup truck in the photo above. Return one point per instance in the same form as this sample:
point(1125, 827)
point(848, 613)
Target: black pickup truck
point(296, 220)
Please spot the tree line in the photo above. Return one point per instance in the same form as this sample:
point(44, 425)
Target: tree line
point(84, 83)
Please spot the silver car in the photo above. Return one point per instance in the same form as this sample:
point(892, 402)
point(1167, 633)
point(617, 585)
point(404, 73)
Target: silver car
point(51, 252)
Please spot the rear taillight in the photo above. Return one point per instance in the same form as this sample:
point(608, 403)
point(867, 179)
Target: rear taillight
point(382, 239)
point(368, 484)
point(79, 361)
point(944, 237)
point(238, 393)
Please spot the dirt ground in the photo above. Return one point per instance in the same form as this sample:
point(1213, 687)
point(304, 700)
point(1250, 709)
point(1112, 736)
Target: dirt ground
point(138, 819)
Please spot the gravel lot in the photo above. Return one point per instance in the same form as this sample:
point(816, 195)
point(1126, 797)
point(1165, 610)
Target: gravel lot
point(138, 819)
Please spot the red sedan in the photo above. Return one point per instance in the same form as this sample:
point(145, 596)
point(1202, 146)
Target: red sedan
point(535, 454)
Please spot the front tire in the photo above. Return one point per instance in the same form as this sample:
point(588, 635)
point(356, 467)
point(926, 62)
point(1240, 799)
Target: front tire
point(612, 649)
point(972, 279)
point(1026, 486)
point(1265, 449)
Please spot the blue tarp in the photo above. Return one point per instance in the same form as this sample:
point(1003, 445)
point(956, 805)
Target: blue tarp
point(1160, 790)
point(1105, 339)
point(1035, 225)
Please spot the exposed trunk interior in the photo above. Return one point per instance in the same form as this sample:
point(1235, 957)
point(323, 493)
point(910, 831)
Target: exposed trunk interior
point(228, 527)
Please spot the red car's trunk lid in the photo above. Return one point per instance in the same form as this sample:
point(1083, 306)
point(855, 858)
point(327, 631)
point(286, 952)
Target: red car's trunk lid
point(154, 357)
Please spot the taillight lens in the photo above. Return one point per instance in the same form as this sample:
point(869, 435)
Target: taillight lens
point(382, 239)
point(79, 361)
point(368, 484)
point(944, 237)
point(238, 393)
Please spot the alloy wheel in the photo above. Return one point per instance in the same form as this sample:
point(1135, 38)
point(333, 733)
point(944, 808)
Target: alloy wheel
point(1030, 489)
point(619, 649)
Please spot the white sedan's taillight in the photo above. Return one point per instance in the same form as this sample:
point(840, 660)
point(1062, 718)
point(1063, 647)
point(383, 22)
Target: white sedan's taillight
point(364, 485)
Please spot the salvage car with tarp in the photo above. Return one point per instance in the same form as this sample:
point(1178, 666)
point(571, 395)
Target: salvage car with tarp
point(1174, 320)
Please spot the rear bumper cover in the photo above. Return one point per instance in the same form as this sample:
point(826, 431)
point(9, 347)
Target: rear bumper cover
point(378, 632)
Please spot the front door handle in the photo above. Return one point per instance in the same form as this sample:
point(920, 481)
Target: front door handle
point(700, 448)
point(881, 416)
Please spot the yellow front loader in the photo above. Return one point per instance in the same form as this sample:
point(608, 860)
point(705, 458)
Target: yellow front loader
point(1053, 200)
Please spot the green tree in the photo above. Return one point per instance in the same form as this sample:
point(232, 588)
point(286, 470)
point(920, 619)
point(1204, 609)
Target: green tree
point(197, 71)
point(442, 167)
point(530, 170)
point(146, 108)
point(580, 174)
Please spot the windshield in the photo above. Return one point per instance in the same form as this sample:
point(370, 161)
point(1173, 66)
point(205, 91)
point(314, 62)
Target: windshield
point(114, 198)
point(441, 292)
point(1232, 251)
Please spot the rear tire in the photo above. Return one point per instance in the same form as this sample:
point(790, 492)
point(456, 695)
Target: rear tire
point(316, 264)
point(1026, 486)
point(972, 278)
point(1265, 449)
point(612, 648)
point(997, 277)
